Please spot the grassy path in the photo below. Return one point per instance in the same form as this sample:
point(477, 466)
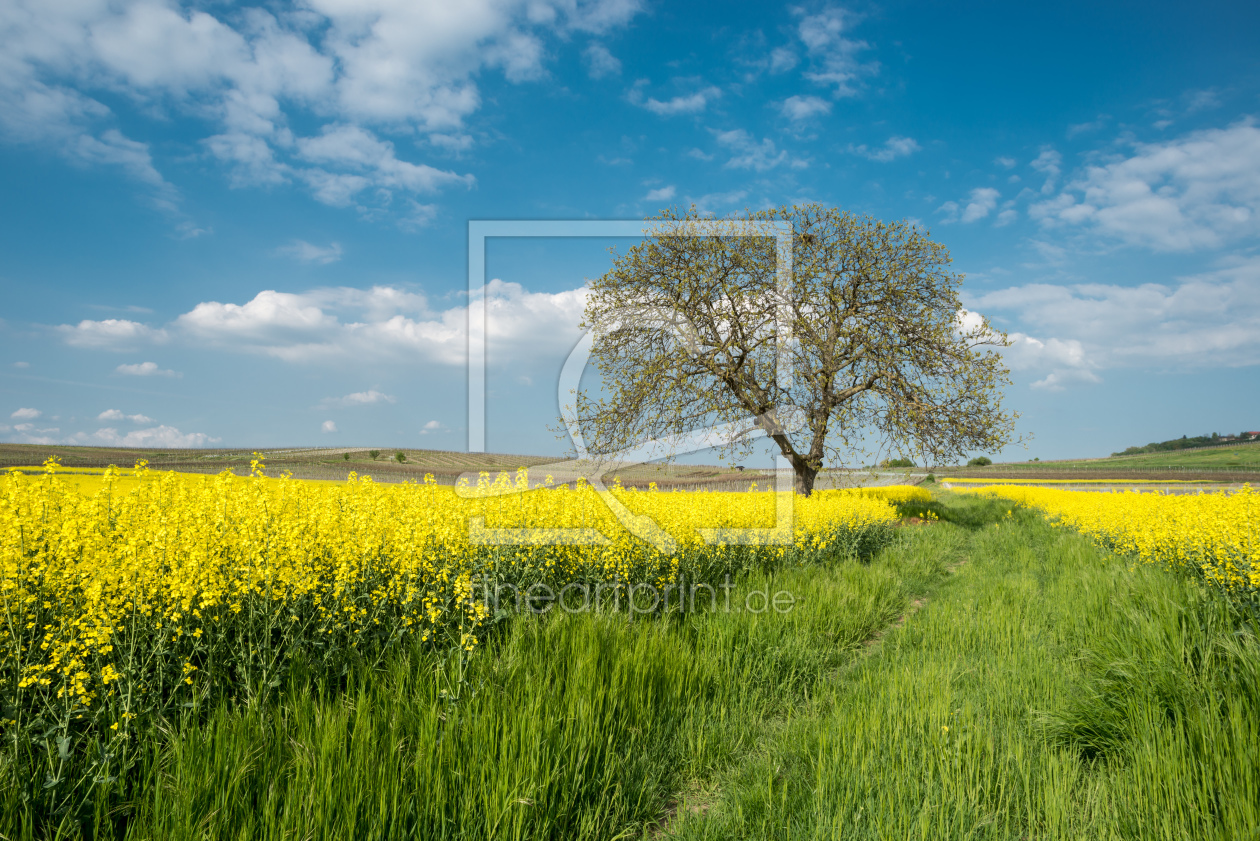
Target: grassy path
point(1044, 691)
point(986, 677)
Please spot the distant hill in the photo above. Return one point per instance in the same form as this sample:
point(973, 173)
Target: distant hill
point(1188, 443)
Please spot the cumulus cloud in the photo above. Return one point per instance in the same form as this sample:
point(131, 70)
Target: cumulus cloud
point(305, 252)
point(661, 193)
point(691, 103)
point(783, 59)
point(1210, 319)
point(26, 414)
point(431, 427)
point(157, 436)
point(116, 415)
point(111, 334)
point(983, 200)
point(980, 204)
point(146, 369)
point(383, 323)
point(27, 433)
point(893, 148)
point(365, 161)
point(358, 398)
point(375, 65)
point(714, 202)
point(599, 61)
point(801, 108)
point(834, 57)
point(328, 426)
point(749, 153)
point(1049, 163)
point(1198, 191)
point(1065, 360)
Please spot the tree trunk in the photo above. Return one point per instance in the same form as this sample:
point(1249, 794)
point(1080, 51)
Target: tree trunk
point(805, 476)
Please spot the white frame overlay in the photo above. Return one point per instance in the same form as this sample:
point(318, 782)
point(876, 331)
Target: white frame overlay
point(641, 526)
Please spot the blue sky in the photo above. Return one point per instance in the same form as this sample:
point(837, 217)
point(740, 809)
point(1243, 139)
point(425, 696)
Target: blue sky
point(229, 225)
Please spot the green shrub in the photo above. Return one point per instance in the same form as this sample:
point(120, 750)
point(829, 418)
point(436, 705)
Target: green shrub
point(980, 461)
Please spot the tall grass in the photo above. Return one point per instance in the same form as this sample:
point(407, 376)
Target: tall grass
point(1044, 692)
point(567, 726)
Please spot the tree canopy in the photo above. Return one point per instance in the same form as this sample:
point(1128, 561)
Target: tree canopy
point(865, 338)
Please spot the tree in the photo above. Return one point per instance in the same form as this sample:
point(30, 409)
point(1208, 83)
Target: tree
point(874, 342)
point(400, 457)
point(374, 454)
point(980, 461)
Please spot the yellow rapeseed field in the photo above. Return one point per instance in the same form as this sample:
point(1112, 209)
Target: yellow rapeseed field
point(127, 594)
point(1215, 534)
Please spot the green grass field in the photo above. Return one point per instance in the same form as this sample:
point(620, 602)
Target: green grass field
point(1238, 462)
point(987, 676)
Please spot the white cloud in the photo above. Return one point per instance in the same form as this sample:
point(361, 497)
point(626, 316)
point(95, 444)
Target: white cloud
point(358, 398)
point(328, 426)
point(1199, 191)
point(432, 426)
point(111, 333)
point(980, 204)
point(783, 59)
point(1201, 100)
point(1065, 360)
point(146, 369)
point(383, 323)
point(748, 153)
point(660, 193)
point(1005, 162)
point(305, 252)
point(452, 143)
point(893, 148)
point(692, 103)
point(157, 436)
point(1006, 217)
point(27, 433)
point(983, 200)
point(834, 58)
point(26, 414)
point(1049, 163)
point(1205, 320)
point(600, 62)
point(1084, 128)
point(712, 202)
point(372, 163)
point(252, 73)
point(116, 415)
point(800, 108)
